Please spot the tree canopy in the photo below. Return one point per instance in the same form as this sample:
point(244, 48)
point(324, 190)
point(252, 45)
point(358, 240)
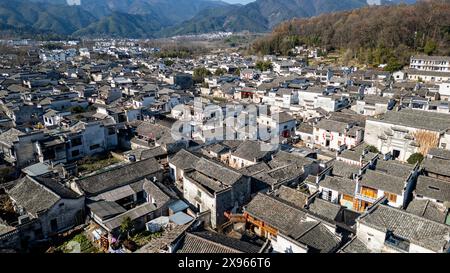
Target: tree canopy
point(200, 73)
point(126, 226)
point(415, 158)
point(264, 65)
point(376, 34)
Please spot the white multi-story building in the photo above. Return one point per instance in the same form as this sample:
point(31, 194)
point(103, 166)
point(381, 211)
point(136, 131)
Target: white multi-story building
point(430, 63)
point(333, 134)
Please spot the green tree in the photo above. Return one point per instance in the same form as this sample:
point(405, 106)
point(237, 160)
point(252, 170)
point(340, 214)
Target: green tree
point(200, 73)
point(168, 62)
point(430, 47)
point(264, 65)
point(369, 57)
point(372, 149)
point(220, 72)
point(77, 109)
point(393, 65)
point(6, 173)
point(126, 226)
point(414, 158)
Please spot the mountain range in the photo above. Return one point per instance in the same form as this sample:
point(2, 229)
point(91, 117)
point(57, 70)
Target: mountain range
point(159, 18)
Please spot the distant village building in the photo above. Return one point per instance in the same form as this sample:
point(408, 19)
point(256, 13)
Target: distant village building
point(430, 63)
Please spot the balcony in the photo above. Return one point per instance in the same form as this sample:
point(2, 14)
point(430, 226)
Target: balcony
point(365, 198)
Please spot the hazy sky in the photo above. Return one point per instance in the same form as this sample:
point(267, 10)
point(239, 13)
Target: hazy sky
point(239, 1)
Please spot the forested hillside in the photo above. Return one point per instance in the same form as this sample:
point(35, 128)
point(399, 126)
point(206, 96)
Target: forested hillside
point(373, 35)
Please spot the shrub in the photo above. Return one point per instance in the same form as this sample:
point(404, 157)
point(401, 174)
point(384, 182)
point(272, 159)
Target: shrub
point(372, 149)
point(414, 158)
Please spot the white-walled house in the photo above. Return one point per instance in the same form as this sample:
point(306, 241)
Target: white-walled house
point(86, 139)
point(444, 90)
point(362, 185)
point(53, 117)
point(334, 135)
point(427, 76)
point(214, 187)
point(248, 153)
point(289, 228)
point(282, 97)
point(392, 230)
point(402, 133)
point(373, 105)
point(430, 63)
point(55, 207)
point(281, 122)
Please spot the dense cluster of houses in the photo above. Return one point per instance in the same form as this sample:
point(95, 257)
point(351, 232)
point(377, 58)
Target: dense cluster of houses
point(192, 161)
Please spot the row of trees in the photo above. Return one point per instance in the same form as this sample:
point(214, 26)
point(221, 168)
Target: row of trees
point(200, 73)
point(374, 35)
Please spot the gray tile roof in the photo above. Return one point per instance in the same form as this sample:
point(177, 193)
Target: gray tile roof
point(413, 71)
point(58, 188)
point(212, 242)
point(184, 159)
point(284, 117)
point(32, 196)
point(439, 153)
point(250, 150)
point(416, 229)
point(381, 181)
point(152, 153)
point(331, 125)
point(345, 170)
point(356, 153)
point(318, 238)
point(192, 243)
point(159, 133)
point(254, 169)
point(232, 144)
point(217, 171)
point(436, 165)
point(341, 185)
point(161, 198)
point(133, 214)
point(293, 196)
point(282, 158)
point(394, 168)
point(118, 176)
point(355, 246)
point(275, 213)
point(325, 209)
point(168, 237)
point(428, 210)
point(417, 119)
point(281, 174)
point(305, 128)
point(216, 148)
point(10, 136)
point(433, 188)
point(431, 58)
point(210, 185)
point(373, 99)
point(106, 209)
